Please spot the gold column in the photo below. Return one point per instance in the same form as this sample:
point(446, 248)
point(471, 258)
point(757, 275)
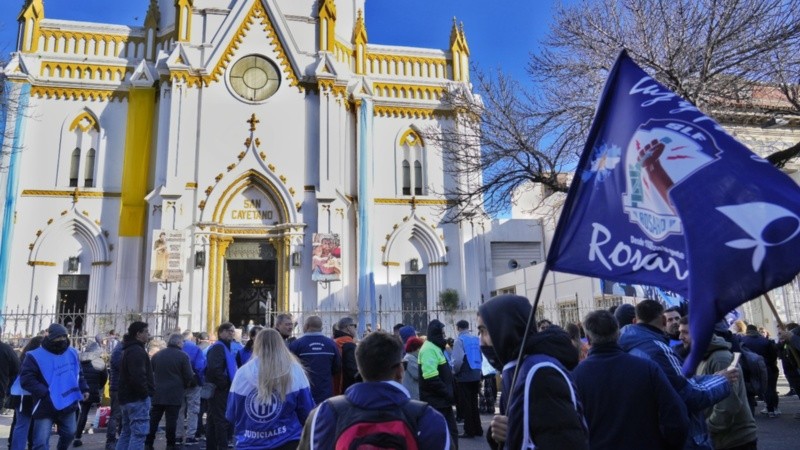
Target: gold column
point(212, 283)
point(284, 256)
point(222, 246)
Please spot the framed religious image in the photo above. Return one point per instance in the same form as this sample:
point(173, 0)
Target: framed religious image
point(166, 257)
point(326, 258)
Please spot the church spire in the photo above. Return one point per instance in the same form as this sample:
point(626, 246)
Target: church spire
point(327, 25)
point(360, 43)
point(460, 51)
point(29, 19)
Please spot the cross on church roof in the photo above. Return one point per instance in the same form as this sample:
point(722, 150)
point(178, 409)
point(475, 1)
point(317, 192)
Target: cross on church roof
point(253, 121)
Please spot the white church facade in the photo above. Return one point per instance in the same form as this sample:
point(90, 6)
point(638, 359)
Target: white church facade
point(231, 159)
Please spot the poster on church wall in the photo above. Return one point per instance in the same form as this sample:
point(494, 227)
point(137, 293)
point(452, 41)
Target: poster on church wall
point(326, 259)
point(166, 258)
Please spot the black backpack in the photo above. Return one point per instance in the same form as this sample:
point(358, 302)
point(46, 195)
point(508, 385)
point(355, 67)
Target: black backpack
point(358, 428)
point(755, 372)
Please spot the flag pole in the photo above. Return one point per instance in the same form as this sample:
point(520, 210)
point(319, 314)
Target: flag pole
point(525, 336)
point(781, 326)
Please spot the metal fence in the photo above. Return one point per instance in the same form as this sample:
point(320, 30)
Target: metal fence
point(20, 325)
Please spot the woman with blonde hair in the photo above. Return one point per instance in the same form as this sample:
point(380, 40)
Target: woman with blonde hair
point(270, 397)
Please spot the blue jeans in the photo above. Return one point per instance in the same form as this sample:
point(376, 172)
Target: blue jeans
point(135, 425)
point(42, 428)
point(19, 434)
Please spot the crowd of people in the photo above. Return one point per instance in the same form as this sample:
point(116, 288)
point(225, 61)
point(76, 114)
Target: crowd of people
point(387, 390)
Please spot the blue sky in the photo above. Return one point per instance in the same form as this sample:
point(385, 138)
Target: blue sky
point(500, 33)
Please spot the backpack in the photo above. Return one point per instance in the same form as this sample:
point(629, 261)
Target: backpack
point(361, 429)
point(755, 372)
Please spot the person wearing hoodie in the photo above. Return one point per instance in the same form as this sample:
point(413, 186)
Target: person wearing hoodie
point(406, 333)
point(379, 399)
point(344, 335)
point(646, 339)
point(52, 374)
point(94, 371)
point(136, 388)
point(730, 421)
point(436, 377)
point(270, 397)
point(411, 366)
point(552, 417)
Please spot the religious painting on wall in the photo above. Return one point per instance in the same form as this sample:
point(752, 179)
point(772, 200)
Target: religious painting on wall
point(166, 258)
point(326, 260)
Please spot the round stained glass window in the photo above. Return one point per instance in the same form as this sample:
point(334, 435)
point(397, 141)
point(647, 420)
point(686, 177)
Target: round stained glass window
point(254, 78)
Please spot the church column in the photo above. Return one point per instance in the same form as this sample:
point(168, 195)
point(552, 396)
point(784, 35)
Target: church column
point(19, 93)
point(223, 242)
point(212, 282)
point(133, 210)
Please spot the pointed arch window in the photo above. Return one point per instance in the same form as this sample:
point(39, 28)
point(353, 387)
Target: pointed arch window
point(79, 168)
point(417, 178)
point(411, 152)
point(74, 167)
point(88, 175)
point(406, 178)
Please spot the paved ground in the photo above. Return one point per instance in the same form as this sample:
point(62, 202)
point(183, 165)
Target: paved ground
point(774, 434)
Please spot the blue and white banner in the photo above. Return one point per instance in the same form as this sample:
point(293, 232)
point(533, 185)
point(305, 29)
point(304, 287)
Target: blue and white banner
point(663, 196)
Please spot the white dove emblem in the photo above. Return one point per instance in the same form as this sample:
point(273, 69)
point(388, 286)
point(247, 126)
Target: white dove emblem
point(755, 219)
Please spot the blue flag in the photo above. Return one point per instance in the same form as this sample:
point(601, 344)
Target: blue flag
point(663, 196)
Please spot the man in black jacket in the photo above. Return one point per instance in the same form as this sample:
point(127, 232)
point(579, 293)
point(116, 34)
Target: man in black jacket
point(220, 371)
point(172, 373)
point(136, 387)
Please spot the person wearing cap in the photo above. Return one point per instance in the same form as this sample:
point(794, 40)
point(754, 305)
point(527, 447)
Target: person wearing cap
point(54, 378)
point(343, 335)
point(406, 333)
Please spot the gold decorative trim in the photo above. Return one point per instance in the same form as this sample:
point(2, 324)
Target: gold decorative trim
point(41, 263)
point(441, 263)
point(309, 188)
point(81, 194)
point(92, 123)
point(408, 91)
point(80, 71)
point(59, 35)
point(391, 264)
point(409, 112)
point(411, 138)
point(191, 185)
point(417, 201)
point(101, 263)
point(78, 93)
point(337, 90)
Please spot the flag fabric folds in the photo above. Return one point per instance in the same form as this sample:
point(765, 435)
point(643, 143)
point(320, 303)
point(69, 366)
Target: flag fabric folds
point(663, 196)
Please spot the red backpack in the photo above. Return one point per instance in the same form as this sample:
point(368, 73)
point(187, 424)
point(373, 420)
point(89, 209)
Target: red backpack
point(364, 429)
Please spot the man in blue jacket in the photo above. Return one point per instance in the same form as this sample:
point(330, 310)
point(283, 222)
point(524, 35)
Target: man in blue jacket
point(53, 376)
point(467, 369)
point(190, 408)
point(379, 398)
point(646, 339)
point(628, 402)
point(320, 356)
